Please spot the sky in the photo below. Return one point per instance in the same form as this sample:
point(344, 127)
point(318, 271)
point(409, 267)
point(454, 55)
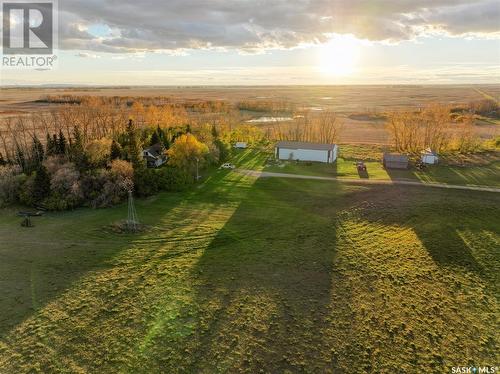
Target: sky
point(272, 42)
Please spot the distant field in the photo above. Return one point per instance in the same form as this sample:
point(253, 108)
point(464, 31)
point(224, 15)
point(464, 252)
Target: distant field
point(344, 99)
point(359, 107)
point(245, 275)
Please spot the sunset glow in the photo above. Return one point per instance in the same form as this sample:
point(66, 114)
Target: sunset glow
point(340, 56)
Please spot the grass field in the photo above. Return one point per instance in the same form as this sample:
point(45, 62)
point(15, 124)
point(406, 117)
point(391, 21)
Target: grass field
point(245, 275)
point(344, 167)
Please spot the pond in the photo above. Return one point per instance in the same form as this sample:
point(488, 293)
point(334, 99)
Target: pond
point(270, 119)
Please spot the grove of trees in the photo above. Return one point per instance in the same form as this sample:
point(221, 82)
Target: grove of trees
point(435, 127)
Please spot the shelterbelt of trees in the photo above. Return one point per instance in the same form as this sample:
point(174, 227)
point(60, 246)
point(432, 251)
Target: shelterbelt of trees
point(88, 151)
point(68, 170)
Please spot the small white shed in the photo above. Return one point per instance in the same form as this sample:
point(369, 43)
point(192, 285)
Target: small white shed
point(429, 157)
point(305, 151)
point(241, 145)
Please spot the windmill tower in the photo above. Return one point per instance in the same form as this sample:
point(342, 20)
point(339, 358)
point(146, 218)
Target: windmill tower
point(132, 221)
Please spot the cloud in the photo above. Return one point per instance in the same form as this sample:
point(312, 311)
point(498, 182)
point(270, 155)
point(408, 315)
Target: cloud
point(87, 55)
point(256, 25)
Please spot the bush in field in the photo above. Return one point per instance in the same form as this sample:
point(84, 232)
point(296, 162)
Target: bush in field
point(11, 180)
point(65, 191)
point(106, 187)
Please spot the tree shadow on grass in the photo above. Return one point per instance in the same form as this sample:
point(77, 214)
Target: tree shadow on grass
point(434, 217)
point(467, 175)
point(97, 314)
point(41, 263)
point(266, 283)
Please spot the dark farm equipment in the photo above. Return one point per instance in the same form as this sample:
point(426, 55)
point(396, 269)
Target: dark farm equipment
point(360, 165)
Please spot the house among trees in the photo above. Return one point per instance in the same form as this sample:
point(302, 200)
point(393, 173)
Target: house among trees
point(429, 157)
point(155, 155)
point(305, 151)
point(395, 161)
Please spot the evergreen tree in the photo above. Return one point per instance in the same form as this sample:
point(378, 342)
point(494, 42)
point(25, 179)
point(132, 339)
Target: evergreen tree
point(50, 147)
point(37, 154)
point(161, 133)
point(20, 158)
point(134, 151)
point(224, 150)
point(55, 145)
point(3, 161)
point(215, 133)
point(116, 150)
point(41, 184)
point(61, 144)
point(77, 150)
point(155, 138)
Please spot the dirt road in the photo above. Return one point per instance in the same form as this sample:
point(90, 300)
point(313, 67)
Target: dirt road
point(264, 174)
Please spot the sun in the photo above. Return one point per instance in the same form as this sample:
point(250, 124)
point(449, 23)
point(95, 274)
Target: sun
point(340, 56)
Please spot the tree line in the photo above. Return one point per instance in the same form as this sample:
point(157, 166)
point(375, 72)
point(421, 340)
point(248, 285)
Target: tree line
point(92, 155)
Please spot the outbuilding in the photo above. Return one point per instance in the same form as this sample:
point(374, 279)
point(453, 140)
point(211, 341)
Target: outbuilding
point(429, 157)
point(305, 151)
point(395, 161)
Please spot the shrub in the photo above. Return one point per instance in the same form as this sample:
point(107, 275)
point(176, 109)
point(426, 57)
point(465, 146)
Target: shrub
point(99, 151)
point(173, 179)
point(65, 191)
point(146, 182)
point(26, 194)
point(122, 168)
point(104, 187)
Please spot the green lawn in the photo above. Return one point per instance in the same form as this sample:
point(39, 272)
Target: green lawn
point(243, 275)
point(486, 175)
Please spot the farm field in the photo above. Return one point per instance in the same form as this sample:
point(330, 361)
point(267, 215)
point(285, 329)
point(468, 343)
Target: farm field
point(358, 107)
point(266, 275)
